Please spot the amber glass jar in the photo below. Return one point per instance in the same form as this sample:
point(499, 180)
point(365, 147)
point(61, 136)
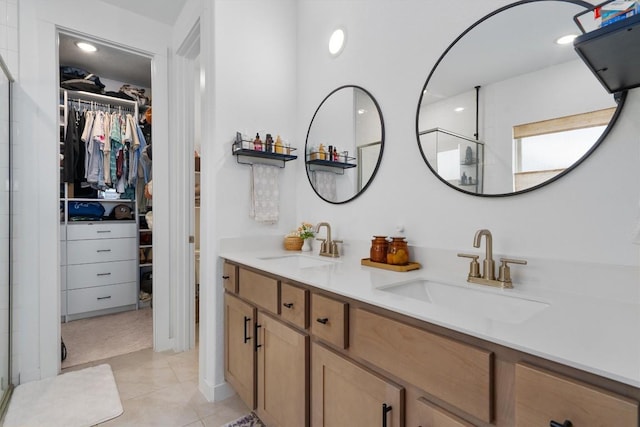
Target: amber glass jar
point(379, 246)
point(398, 252)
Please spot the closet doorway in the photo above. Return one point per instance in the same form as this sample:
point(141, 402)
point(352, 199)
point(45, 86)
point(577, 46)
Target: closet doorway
point(106, 200)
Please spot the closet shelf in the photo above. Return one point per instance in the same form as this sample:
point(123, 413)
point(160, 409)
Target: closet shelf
point(612, 52)
point(246, 156)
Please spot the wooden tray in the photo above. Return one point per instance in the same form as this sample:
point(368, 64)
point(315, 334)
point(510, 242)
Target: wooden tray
point(408, 267)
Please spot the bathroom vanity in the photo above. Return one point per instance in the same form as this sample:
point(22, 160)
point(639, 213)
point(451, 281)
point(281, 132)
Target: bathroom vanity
point(313, 341)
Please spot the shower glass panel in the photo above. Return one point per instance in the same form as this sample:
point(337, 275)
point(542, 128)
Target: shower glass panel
point(5, 236)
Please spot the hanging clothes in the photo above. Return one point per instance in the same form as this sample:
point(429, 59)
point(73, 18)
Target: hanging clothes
point(74, 150)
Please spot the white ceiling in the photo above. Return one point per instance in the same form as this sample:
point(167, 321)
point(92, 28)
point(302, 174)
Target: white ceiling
point(113, 63)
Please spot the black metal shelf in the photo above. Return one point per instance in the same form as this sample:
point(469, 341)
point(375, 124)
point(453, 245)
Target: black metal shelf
point(316, 163)
point(612, 52)
point(249, 157)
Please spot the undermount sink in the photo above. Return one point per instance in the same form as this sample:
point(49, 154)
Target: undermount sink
point(484, 303)
point(297, 261)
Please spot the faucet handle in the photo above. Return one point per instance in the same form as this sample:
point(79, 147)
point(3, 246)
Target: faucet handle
point(334, 248)
point(323, 245)
point(474, 266)
point(504, 272)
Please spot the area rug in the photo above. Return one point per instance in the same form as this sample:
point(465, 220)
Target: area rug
point(98, 338)
point(75, 399)
point(250, 420)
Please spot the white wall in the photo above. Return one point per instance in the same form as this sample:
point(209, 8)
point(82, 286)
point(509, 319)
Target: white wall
point(588, 215)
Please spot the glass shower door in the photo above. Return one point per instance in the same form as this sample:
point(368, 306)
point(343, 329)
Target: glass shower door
point(5, 236)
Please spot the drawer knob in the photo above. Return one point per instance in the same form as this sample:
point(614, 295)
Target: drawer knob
point(566, 423)
point(107, 297)
point(322, 320)
point(288, 304)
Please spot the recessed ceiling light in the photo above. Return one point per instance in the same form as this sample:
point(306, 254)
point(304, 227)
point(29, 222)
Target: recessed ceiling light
point(336, 42)
point(566, 39)
point(87, 47)
point(458, 109)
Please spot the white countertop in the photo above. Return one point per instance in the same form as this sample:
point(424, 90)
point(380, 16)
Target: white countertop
point(585, 331)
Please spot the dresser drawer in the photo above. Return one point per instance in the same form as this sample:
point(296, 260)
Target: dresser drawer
point(457, 373)
point(230, 277)
point(542, 396)
point(293, 307)
point(259, 289)
point(102, 250)
point(101, 230)
point(101, 297)
point(330, 320)
point(101, 273)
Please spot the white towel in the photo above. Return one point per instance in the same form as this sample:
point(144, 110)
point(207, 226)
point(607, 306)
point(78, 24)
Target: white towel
point(325, 185)
point(265, 193)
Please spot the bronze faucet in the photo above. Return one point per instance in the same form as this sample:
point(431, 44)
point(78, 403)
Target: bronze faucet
point(488, 271)
point(328, 247)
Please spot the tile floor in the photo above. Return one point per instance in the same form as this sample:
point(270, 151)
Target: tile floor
point(161, 389)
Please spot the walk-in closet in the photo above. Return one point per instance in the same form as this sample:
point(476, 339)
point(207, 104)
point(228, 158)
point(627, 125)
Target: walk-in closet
point(106, 200)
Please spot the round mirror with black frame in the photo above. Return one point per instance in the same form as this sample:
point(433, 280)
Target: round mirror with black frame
point(344, 144)
point(507, 109)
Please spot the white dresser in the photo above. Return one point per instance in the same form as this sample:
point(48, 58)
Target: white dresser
point(101, 268)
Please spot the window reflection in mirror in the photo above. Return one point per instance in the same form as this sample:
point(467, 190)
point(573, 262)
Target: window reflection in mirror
point(344, 144)
point(486, 85)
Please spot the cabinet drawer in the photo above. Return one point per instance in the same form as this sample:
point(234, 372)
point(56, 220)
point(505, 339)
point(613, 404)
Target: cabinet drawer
point(542, 396)
point(421, 412)
point(330, 320)
point(63, 277)
point(63, 253)
point(447, 369)
point(102, 250)
point(100, 297)
point(230, 277)
point(294, 305)
point(63, 232)
point(258, 289)
point(99, 274)
point(100, 230)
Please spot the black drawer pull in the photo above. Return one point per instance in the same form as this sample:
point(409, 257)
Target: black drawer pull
point(288, 304)
point(385, 408)
point(323, 320)
point(246, 321)
point(104, 231)
point(103, 274)
point(566, 423)
point(225, 277)
point(109, 297)
point(255, 342)
point(103, 250)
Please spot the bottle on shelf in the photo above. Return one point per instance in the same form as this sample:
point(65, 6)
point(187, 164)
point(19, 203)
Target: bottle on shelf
point(279, 147)
point(268, 144)
point(321, 152)
point(257, 143)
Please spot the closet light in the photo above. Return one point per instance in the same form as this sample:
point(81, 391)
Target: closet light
point(87, 47)
point(566, 39)
point(336, 42)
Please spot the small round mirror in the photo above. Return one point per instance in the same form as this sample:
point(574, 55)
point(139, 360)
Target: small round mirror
point(506, 109)
point(344, 144)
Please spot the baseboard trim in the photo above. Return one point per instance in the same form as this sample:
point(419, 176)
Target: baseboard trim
point(215, 393)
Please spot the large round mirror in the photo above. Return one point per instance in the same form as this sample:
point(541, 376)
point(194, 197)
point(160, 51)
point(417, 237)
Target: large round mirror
point(506, 109)
point(344, 144)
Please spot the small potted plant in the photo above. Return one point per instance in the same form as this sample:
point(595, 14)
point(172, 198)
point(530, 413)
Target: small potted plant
point(306, 233)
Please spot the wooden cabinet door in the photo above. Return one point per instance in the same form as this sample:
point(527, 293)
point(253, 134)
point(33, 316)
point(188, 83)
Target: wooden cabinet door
point(283, 363)
point(422, 413)
point(239, 353)
point(343, 393)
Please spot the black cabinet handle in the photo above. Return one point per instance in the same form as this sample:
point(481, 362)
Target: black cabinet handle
point(246, 320)
point(322, 320)
point(257, 346)
point(108, 297)
point(225, 277)
point(385, 408)
point(103, 274)
point(288, 304)
point(566, 423)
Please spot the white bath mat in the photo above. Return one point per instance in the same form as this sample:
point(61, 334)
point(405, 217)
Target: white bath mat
point(75, 399)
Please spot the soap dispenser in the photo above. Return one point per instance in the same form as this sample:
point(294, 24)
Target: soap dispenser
point(257, 143)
